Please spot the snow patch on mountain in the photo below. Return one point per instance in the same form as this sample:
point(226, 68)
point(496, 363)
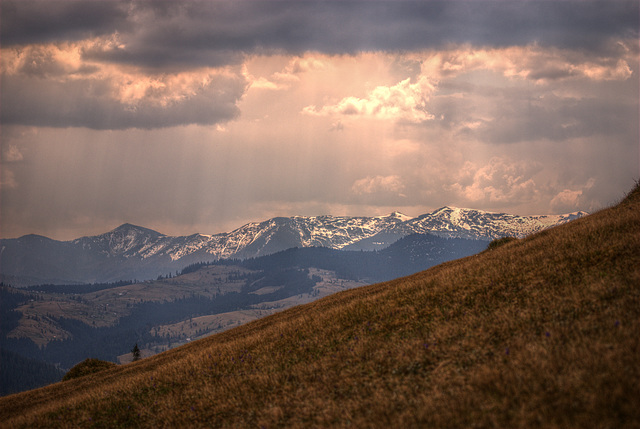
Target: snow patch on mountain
point(336, 232)
point(477, 224)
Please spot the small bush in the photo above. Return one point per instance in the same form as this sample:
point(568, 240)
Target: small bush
point(86, 367)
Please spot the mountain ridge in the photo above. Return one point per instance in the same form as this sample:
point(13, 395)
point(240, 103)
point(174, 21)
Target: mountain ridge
point(135, 252)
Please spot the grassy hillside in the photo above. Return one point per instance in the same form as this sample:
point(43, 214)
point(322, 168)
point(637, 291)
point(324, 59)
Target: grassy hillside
point(540, 332)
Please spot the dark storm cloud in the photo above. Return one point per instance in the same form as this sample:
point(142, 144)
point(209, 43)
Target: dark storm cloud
point(161, 38)
point(186, 34)
point(192, 32)
point(524, 114)
point(46, 21)
point(81, 103)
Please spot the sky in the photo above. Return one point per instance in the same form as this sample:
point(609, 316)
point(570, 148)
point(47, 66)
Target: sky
point(200, 116)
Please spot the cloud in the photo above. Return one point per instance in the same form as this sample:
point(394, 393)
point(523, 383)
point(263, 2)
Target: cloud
point(566, 201)
point(526, 93)
point(500, 181)
point(12, 154)
point(533, 62)
point(285, 78)
point(569, 200)
point(404, 101)
point(209, 33)
point(378, 184)
point(264, 83)
point(42, 21)
point(504, 95)
point(112, 65)
point(112, 98)
point(552, 118)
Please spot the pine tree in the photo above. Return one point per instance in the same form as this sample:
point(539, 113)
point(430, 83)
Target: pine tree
point(135, 352)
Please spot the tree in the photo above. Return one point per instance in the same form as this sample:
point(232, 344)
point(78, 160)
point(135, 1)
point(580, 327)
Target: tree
point(135, 352)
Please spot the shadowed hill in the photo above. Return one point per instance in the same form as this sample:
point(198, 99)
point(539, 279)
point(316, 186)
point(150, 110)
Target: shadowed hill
point(539, 332)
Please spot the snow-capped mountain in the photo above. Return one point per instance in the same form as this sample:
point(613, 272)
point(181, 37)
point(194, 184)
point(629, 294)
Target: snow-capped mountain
point(477, 224)
point(126, 240)
point(133, 252)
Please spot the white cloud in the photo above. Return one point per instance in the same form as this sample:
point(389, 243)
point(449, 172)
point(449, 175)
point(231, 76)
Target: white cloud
point(283, 79)
point(566, 200)
point(531, 62)
point(619, 71)
point(300, 65)
point(569, 200)
point(404, 101)
point(263, 83)
point(378, 184)
point(500, 181)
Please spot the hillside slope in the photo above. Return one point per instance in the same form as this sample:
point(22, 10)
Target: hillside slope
point(539, 332)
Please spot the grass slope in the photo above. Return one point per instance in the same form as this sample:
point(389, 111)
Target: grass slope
point(539, 332)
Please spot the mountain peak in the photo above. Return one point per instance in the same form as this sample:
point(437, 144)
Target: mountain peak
point(443, 209)
point(457, 209)
point(126, 239)
point(128, 227)
point(400, 216)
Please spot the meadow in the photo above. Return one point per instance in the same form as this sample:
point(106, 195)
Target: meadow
point(537, 332)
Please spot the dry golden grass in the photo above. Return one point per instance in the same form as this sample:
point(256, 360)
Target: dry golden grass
point(539, 332)
point(86, 367)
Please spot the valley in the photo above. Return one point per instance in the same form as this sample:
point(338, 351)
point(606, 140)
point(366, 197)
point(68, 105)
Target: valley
point(64, 324)
point(103, 309)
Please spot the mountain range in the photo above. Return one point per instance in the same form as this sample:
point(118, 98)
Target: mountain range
point(132, 252)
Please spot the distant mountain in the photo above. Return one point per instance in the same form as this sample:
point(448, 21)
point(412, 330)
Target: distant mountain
point(134, 252)
point(477, 224)
point(408, 255)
